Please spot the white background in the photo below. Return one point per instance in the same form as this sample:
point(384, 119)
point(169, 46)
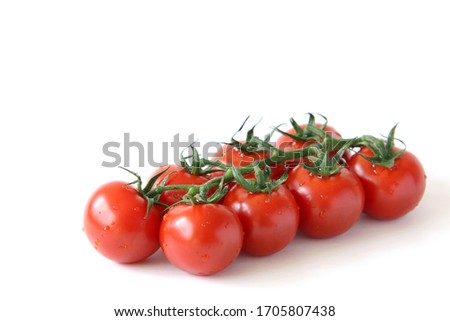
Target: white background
point(77, 74)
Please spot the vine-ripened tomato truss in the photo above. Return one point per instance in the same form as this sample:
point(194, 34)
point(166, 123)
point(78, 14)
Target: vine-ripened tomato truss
point(326, 182)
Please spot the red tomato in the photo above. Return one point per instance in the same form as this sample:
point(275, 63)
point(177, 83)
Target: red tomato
point(390, 192)
point(233, 155)
point(270, 222)
point(330, 205)
point(178, 176)
point(116, 225)
point(288, 143)
point(201, 239)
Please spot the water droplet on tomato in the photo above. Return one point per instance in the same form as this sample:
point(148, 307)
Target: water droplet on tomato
point(136, 209)
point(106, 229)
point(165, 229)
point(322, 214)
point(322, 196)
point(205, 257)
point(165, 245)
point(97, 243)
point(115, 207)
point(123, 247)
point(374, 169)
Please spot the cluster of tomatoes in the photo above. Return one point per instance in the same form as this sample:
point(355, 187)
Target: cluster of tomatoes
point(254, 197)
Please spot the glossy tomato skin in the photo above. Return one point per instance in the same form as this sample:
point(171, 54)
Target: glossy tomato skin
point(329, 206)
point(269, 222)
point(201, 239)
point(390, 192)
point(178, 176)
point(288, 143)
point(115, 223)
point(234, 156)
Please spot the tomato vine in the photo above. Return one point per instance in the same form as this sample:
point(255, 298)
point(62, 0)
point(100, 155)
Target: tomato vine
point(322, 155)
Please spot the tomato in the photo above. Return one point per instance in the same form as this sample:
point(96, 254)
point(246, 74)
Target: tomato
point(116, 225)
point(201, 239)
point(178, 176)
point(234, 156)
point(329, 205)
point(390, 192)
point(270, 222)
point(288, 143)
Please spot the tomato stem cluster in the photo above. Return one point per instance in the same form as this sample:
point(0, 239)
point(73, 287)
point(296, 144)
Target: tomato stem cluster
point(322, 156)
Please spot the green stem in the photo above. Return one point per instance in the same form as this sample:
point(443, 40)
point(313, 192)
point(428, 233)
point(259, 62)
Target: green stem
point(228, 175)
point(276, 156)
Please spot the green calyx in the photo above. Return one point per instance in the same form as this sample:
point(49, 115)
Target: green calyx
point(143, 191)
point(196, 165)
point(252, 143)
point(311, 132)
point(384, 151)
point(262, 182)
point(326, 160)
